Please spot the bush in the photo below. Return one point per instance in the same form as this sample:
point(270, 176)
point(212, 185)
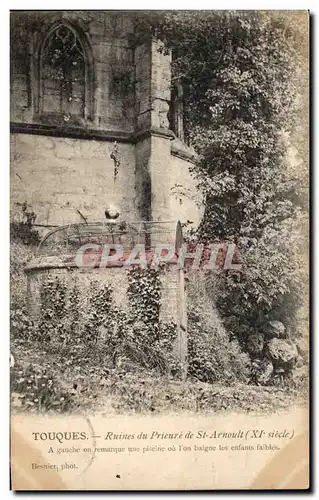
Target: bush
point(212, 355)
point(22, 230)
point(245, 93)
point(36, 387)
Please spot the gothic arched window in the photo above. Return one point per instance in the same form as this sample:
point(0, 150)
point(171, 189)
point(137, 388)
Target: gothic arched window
point(64, 76)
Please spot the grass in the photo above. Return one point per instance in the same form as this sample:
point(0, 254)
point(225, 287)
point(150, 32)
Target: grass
point(60, 382)
point(48, 377)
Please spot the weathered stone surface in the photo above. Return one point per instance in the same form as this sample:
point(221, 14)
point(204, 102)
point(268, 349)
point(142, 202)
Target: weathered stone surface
point(59, 174)
point(59, 177)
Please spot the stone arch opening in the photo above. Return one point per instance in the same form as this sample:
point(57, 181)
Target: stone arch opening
point(64, 73)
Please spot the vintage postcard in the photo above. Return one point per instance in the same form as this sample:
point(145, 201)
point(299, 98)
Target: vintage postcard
point(159, 250)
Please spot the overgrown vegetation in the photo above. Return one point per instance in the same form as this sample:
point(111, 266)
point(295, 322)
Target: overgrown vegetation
point(244, 76)
point(22, 230)
point(72, 337)
point(244, 81)
point(94, 356)
point(213, 356)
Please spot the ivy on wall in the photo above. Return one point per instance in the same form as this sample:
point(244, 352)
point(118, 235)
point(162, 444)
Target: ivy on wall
point(245, 85)
point(132, 332)
point(22, 229)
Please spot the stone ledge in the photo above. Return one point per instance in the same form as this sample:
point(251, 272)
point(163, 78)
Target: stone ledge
point(70, 132)
point(178, 147)
point(89, 134)
point(154, 131)
point(181, 150)
point(50, 262)
point(45, 264)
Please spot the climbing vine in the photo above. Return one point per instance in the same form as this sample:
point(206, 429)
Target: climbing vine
point(101, 328)
point(244, 79)
point(23, 230)
point(144, 294)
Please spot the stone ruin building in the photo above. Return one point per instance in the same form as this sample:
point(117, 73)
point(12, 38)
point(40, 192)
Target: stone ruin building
point(96, 130)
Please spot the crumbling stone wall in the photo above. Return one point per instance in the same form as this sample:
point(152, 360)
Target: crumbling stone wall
point(172, 301)
point(60, 177)
point(63, 169)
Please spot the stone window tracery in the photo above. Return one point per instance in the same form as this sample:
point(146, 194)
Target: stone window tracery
point(65, 77)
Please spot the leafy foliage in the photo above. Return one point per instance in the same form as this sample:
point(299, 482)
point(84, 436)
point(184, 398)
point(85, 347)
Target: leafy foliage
point(244, 76)
point(213, 355)
point(144, 293)
point(139, 374)
point(23, 230)
point(37, 387)
point(21, 323)
point(95, 334)
point(244, 80)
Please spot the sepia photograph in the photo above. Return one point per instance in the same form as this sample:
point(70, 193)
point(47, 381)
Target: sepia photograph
point(159, 249)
